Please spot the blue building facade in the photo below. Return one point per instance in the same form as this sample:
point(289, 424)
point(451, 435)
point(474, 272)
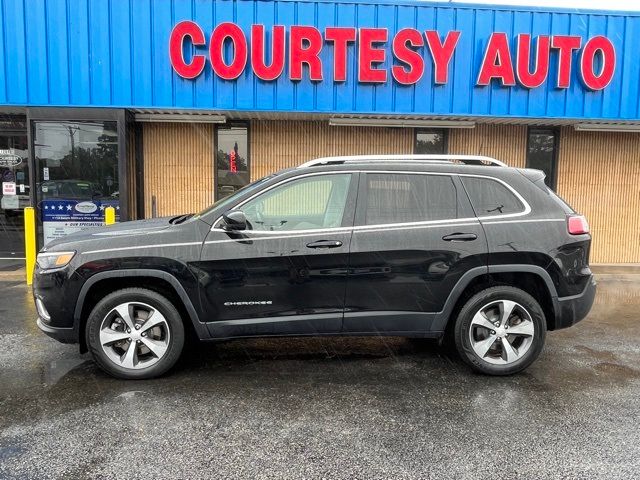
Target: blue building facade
point(96, 53)
point(95, 96)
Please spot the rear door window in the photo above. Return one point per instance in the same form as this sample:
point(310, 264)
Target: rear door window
point(490, 197)
point(408, 198)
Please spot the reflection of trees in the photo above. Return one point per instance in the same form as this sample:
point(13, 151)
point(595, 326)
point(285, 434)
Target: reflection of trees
point(541, 149)
point(222, 161)
point(541, 144)
point(226, 178)
point(90, 164)
point(541, 154)
point(430, 143)
point(96, 163)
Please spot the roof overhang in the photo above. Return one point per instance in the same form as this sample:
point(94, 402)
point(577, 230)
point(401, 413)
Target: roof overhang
point(369, 120)
point(383, 120)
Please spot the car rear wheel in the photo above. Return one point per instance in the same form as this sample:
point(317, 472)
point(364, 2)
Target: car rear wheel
point(500, 331)
point(135, 334)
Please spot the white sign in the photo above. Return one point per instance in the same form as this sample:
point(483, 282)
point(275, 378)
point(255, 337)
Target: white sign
point(10, 202)
point(45, 173)
point(9, 159)
point(55, 230)
point(86, 207)
point(8, 188)
point(22, 188)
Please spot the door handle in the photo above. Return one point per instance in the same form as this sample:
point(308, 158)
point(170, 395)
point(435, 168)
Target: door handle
point(325, 244)
point(460, 237)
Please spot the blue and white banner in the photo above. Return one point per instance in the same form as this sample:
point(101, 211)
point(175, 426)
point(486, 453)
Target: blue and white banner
point(62, 217)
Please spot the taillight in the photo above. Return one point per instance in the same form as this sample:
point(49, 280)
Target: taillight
point(577, 225)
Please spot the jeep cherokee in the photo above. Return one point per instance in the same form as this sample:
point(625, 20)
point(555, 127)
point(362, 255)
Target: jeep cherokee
point(421, 246)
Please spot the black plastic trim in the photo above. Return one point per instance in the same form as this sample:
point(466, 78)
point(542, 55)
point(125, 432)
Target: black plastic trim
point(201, 329)
point(290, 325)
point(571, 310)
point(442, 318)
point(388, 322)
point(527, 269)
point(63, 335)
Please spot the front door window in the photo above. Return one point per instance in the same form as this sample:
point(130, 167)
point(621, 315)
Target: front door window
point(77, 173)
point(309, 203)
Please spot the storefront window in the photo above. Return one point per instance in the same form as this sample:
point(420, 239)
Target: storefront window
point(431, 142)
point(232, 160)
point(14, 197)
point(542, 153)
point(77, 174)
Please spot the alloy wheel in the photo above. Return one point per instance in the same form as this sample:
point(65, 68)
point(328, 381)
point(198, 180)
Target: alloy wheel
point(134, 335)
point(501, 332)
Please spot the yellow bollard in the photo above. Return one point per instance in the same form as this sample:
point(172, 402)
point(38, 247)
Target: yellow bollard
point(30, 241)
point(109, 216)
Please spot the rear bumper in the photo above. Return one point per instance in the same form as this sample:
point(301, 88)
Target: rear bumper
point(63, 335)
point(570, 310)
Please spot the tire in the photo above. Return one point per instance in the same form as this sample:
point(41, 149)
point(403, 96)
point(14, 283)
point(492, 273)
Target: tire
point(522, 347)
point(158, 340)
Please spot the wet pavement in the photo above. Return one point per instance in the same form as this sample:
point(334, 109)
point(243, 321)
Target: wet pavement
point(322, 407)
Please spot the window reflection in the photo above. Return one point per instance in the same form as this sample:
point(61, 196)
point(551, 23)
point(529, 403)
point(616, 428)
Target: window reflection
point(232, 163)
point(431, 142)
point(77, 174)
point(542, 153)
point(14, 196)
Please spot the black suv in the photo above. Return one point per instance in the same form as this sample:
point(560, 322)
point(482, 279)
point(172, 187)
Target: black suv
point(417, 246)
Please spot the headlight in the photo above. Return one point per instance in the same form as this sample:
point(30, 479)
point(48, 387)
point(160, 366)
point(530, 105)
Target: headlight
point(54, 260)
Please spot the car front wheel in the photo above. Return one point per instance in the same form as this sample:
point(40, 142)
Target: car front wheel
point(135, 333)
point(500, 331)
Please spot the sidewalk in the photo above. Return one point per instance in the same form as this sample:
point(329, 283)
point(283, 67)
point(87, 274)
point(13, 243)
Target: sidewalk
point(13, 275)
point(616, 269)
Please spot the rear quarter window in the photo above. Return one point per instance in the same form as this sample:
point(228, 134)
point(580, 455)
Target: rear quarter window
point(490, 197)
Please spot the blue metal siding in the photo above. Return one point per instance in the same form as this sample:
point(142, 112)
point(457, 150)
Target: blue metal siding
point(114, 53)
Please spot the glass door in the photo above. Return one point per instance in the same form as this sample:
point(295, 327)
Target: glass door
point(77, 173)
point(14, 197)
point(232, 159)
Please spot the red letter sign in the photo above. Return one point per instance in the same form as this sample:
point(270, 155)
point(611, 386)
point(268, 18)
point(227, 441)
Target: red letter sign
point(523, 63)
point(408, 56)
point(262, 71)
point(216, 51)
point(565, 45)
point(340, 36)
point(497, 62)
point(368, 55)
point(233, 167)
point(176, 49)
point(441, 53)
point(591, 79)
point(306, 43)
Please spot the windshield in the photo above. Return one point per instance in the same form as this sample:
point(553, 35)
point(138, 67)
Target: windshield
point(232, 198)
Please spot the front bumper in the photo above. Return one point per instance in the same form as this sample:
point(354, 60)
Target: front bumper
point(55, 295)
point(63, 335)
point(570, 310)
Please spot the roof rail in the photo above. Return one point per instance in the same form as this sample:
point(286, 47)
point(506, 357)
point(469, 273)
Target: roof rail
point(433, 159)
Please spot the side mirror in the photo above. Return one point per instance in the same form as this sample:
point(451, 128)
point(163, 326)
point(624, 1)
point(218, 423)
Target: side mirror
point(234, 220)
